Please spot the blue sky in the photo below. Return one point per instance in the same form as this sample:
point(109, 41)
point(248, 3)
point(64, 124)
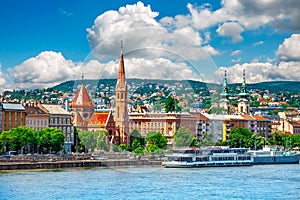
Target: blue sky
point(43, 43)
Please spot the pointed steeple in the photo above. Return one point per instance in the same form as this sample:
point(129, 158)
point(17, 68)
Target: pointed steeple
point(243, 93)
point(225, 92)
point(243, 101)
point(121, 74)
point(244, 87)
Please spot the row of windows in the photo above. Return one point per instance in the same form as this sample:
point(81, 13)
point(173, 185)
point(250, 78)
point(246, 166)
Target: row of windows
point(59, 120)
point(33, 122)
point(150, 125)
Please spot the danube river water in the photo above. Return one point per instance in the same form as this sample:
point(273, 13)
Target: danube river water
point(147, 182)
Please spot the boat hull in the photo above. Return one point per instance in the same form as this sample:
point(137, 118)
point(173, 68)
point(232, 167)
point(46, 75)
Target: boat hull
point(208, 164)
point(280, 159)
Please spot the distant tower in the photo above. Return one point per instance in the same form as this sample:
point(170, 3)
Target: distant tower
point(82, 108)
point(121, 113)
point(243, 101)
point(224, 102)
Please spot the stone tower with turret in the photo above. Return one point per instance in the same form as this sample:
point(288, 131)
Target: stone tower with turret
point(121, 112)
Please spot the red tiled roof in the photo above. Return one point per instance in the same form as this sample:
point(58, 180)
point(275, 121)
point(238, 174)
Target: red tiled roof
point(248, 117)
point(82, 98)
point(200, 117)
point(99, 119)
point(260, 118)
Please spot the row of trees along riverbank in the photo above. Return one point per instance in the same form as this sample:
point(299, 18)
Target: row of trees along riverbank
point(26, 140)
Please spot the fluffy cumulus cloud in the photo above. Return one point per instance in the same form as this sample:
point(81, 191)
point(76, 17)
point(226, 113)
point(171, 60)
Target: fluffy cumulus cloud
point(45, 70)
point(289, 49)
point(287, 68)
point(262, 72)
point(3, 83)
point(137, 26)
point(140, 68)
point(279, 14)
point(231, 29)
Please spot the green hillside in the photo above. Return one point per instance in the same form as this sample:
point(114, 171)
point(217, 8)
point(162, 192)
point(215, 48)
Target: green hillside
point(273, 87)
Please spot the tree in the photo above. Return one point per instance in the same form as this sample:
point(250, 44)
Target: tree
point(184, 137)
point(101, 136)
point(240, 137)
point(51, 139)
point(135, 135)
point(170, 104)
point(207, 140)
point(139, 150)
point(295, 141)
point(157, 139)
point(152, 148)
point(258, 141)
point(18, 138)
point(217, 110)
point(88, 140)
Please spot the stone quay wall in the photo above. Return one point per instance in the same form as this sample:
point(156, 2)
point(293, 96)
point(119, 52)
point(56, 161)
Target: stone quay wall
point(73, 164)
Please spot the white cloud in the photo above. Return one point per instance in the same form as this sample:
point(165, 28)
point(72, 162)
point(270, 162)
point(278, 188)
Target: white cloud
point(258, 43)
point(236, 52)
point(203, 17)
point(140, 68)
point(261, 72)
point(249, 14)
point(289, 49)
point(137, 27)
point(231, 29)
point(236, 60)
point(3, 83)
point(45, 70)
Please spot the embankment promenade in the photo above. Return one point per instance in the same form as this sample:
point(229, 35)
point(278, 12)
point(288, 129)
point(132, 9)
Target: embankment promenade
point(74, 162)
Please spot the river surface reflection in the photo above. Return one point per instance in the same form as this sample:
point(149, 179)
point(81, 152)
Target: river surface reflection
point(154, 182)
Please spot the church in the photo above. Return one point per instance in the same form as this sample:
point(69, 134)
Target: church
point(243, 105)
point(117, 124)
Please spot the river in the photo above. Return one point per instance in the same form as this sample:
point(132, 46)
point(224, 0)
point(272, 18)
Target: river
point(154, 182)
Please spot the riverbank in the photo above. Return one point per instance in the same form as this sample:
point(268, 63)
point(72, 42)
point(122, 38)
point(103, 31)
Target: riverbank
point(74, 164)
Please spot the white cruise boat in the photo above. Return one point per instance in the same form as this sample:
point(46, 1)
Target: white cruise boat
point(208, 157)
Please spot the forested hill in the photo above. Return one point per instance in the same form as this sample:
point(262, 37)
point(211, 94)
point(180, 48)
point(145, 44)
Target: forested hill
point(273, 87)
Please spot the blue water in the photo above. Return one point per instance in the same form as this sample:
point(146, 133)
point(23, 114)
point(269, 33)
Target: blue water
point(255, 182)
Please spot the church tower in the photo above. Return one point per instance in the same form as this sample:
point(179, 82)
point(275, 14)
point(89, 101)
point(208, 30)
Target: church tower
point(82, 108)
point(224, 102)
point(243, 101)
point(121, 112)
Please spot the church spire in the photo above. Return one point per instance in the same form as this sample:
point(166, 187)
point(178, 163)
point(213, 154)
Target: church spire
point(121, 74)
point(224, 102)
point(225, 92)
point(243, 101)
point(244, 87)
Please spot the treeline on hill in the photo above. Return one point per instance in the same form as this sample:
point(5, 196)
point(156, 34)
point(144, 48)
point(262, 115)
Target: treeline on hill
point(197, 87)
